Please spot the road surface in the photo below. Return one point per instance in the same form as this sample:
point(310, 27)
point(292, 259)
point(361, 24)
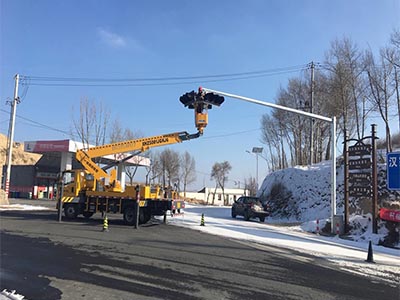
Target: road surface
point(44, 259)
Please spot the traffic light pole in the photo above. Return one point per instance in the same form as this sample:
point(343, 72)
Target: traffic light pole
point(11, 136)
point(332, 121)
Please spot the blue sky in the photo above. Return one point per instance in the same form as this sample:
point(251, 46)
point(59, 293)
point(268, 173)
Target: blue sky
point(142, 39)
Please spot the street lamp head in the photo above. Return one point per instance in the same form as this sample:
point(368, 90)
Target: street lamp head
point(257, 149)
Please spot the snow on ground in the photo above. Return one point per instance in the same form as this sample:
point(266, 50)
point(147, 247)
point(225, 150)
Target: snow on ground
point(348, 255)
point(10, 295)
point(22, 207)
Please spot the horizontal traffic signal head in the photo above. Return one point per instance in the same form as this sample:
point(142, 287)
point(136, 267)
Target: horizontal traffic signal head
point(188, 99)
point(204, 100)
point(213, 99)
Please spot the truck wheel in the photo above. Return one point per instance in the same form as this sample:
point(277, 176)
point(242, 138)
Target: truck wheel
point(144, 216)
point(262, 219)
point(233, 213)
point(71, 211)
point(130, 215)
point(87, 214)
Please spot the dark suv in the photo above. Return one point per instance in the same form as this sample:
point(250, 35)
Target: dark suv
point(250, 207)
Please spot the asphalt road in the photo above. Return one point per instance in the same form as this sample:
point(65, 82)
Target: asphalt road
point(44, 259)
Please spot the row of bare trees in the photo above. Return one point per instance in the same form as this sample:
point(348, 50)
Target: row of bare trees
point(351, 84)
point(169, 168)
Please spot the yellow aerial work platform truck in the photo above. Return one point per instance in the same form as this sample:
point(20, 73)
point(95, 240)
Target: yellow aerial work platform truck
point(93, 189)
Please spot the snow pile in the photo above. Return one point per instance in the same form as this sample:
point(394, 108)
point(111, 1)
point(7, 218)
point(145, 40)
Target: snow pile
point(300, 193)
point(22, 207)
point(303, 194)
point(6, 295)
point(3, 198)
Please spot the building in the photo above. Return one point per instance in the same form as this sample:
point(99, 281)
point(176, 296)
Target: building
point(40, 180)
point(214, 196)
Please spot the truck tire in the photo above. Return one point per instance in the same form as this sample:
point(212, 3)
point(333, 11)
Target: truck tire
point(71, 211)
point(233, 213)
point(144, 216)
point(262, 219)
point(130, 215)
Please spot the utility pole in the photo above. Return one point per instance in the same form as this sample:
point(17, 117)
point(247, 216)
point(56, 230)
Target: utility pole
point(312, 119)
point(374, 180)
point(11, 135)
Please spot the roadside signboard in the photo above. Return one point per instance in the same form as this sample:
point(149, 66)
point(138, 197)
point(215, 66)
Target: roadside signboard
point(363, 179)
point(356, 191)
point(359, 150)
point(358, 164)
point(393, 170)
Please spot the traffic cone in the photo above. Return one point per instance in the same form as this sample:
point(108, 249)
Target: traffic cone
point(105, 223)
point(202, 220)
point(370, 257)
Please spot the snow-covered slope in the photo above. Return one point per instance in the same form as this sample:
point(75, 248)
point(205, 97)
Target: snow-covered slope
point(300, 193)
point(303, 193)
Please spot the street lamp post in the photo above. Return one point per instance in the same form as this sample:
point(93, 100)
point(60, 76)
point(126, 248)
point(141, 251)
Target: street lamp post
point(257, 151)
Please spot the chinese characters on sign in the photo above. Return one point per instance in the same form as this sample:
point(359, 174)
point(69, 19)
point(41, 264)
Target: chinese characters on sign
point(360, 181)
point(393, 171)
point(390, 215)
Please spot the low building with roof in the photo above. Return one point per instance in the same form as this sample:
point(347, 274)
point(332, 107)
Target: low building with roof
point(39, 180)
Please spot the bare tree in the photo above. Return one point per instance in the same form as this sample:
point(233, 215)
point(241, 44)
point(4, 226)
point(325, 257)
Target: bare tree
point(220, 173)
point(381, 90)
point(270, 137)
point(117, 134)
point(170, 164)
point(344, 61)
point(91, 124)
point(188, 170)
point(392, 55)
point(131, 170)
point(287, 135)
point(250, 185)
point(154, 171)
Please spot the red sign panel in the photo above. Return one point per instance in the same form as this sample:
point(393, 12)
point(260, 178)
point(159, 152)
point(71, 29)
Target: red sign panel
point(389, 215)
point(47, 146)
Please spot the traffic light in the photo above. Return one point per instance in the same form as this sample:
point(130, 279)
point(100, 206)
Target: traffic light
point(188, 99)
point(205, 100)
point(213, 99)
point(200, 102)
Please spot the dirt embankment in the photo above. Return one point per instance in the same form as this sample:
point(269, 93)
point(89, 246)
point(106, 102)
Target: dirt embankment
point(19, 157)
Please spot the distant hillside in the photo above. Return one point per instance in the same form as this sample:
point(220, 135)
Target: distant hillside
point(19, 156)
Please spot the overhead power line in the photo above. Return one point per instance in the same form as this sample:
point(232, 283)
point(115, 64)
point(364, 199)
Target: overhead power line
point(155, 81)
point(38, 124)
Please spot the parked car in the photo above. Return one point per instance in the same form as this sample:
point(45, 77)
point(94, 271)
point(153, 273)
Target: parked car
point(250, 207)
